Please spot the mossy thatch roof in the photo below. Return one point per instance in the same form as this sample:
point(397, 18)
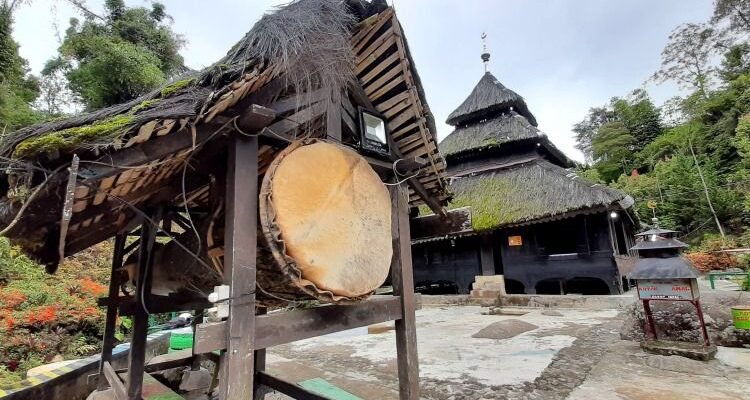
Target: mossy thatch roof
point(527, 192)
point(488, 97)
point(492, 133)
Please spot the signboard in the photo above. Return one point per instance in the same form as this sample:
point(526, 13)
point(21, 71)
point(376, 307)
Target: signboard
point(515, 241)
point(667, 289)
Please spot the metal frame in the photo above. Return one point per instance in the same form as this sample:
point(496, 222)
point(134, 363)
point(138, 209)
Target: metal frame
point(245, 335)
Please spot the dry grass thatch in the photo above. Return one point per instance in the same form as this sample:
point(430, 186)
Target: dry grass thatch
point(508, 127)
point(527, 192)
point(488, 97)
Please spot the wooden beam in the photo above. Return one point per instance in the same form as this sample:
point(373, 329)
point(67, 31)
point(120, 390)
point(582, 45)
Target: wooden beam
point(458, 221)
point(114, 382)
point(145, 152)
point(108, 341)
point(137, 354)
point(296, 102)
point(402, 279)
point(240, 249)
point(255, 118)
point(281, 328)
point(156, 304)
point(333, 117)
point(287, 388)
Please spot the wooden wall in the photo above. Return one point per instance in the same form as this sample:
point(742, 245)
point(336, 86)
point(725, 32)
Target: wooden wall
point(583, 250)
point(587, 266)
point(454, 261)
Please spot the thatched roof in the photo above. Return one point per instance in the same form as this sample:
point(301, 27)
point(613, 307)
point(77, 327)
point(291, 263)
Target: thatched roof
point(529, 192)
point(492, 133)
point(305, 45)
point(488, 97)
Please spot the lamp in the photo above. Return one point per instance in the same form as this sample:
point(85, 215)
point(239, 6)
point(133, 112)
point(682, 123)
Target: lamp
point(373, 133)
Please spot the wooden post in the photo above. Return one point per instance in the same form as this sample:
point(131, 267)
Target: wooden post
point(137, 356)
point(333, 117)
point(403, 286)
point(240, 241)
point(259, 391)
point(650, 326)
point(108, 341)
point(487, 255)
point(699, 310)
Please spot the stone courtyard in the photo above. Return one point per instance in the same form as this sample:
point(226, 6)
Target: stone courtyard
point(467, 353)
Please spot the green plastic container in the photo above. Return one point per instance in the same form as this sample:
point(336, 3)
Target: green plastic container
point(741, 317)
point(181, 339)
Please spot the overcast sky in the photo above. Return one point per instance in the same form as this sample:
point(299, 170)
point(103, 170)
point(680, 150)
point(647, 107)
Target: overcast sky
point(562, 56)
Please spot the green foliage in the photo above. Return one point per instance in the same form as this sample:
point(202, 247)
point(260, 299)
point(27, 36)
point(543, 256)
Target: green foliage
point(17, 89)
point(43, 316)
point(713, 122)
point(128, 54)
point(611, 136)
point(612, 146)
point(590, 174)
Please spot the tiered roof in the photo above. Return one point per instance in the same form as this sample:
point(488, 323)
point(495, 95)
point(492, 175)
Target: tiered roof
point(488, 98)
point(505, 182)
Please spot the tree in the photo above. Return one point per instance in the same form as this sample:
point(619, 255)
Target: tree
point(640, 116)
point(735, 12)
point(18, 89)
point(611, 148)
point(586, 129)
point(114, 58)
point(686, 59)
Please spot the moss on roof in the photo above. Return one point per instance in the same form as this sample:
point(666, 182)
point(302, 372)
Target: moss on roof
point(176, 86)
point(101, 131)
point(525, 193)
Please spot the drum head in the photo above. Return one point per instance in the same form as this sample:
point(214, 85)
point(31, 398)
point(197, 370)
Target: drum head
point(333, 217)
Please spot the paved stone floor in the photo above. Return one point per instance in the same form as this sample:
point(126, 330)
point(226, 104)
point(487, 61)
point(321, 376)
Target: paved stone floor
point(577, 355)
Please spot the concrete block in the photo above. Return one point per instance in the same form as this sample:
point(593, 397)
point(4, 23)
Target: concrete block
point(669, 348)
point(195, 380)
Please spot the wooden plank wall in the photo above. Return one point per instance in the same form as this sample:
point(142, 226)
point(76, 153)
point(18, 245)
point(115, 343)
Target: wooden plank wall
point(386, 74)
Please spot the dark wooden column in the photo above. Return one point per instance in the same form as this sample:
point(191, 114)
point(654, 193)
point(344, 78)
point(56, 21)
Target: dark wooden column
point(108, 341)
point(333, 117)
point(487, 255)
point(403, 285)
point(137, 355)
point(240, 240)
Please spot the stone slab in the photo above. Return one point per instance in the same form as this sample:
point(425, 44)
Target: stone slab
point(695, 351)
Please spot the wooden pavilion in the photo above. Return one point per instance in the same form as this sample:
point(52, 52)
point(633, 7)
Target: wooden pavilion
point(314, 71)
point(533, 221)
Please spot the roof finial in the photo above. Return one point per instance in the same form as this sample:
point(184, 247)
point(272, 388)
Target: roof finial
point(485, 53)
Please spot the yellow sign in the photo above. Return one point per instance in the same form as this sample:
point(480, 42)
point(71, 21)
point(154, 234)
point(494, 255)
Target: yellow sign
point(651, 204)
point(515, 241)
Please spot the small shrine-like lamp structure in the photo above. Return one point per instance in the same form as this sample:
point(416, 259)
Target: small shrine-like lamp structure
point(662, 273)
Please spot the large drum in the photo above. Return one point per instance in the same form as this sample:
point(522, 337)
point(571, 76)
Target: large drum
point(324, 233)
point(325, 219)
